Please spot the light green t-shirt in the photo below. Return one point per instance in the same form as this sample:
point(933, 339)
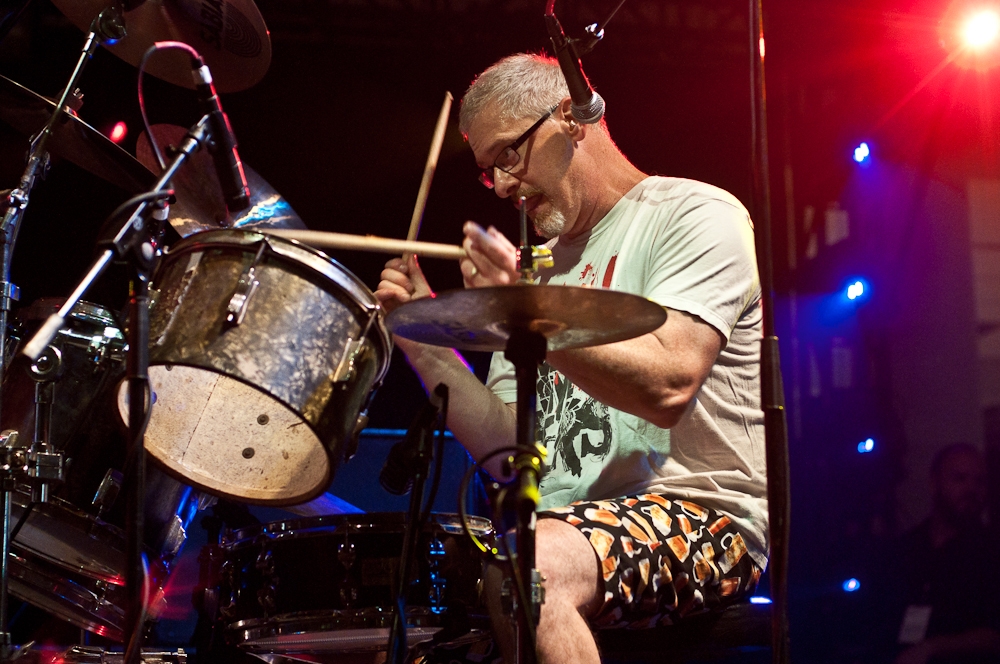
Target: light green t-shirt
point(687, 246)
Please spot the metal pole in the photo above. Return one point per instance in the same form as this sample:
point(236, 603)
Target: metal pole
point(772, 391)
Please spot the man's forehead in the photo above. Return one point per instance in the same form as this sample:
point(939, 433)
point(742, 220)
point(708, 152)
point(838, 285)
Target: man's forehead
point(490, 131)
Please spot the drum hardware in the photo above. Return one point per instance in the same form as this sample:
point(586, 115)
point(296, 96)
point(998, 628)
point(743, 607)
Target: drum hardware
point(246, 286)
point(416, 447)
point(107, 491)
point(105, 25)
point(133, 242)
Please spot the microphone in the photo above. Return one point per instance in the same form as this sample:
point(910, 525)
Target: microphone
point(397, 473)
point(588, 106)
point(223, 143)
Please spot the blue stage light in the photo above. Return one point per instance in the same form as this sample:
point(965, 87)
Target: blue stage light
point(855, 290)
point(851, 585)
point(866, 446)
point(760, 599)
point(862, 153)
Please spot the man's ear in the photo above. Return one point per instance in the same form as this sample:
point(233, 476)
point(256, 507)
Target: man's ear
point(576, 130)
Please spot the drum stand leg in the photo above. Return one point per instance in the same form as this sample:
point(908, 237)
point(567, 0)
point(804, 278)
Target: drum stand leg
point(421, 466)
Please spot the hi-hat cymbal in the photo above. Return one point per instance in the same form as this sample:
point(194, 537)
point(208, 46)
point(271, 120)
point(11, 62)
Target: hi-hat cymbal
point(200, 205)
point(72, 138)
point(229, 34)
point(567, 316)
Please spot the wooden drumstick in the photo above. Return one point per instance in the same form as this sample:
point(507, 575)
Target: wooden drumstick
point(429, 168)
point(370, 243)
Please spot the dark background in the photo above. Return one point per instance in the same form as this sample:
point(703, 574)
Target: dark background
point(342, 122)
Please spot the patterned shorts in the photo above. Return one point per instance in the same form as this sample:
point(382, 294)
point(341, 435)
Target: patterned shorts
point(661, 560)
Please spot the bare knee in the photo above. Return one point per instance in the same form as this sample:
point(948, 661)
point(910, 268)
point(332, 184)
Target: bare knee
point(568, 565)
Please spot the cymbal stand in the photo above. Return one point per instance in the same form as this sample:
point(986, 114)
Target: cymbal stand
point(107, 26)
point(134, 243)
point(526, 351)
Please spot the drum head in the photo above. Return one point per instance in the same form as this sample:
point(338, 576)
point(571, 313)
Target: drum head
point(230, 438)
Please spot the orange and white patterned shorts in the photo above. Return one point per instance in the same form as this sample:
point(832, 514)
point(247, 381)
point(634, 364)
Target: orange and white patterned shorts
point(661, 558)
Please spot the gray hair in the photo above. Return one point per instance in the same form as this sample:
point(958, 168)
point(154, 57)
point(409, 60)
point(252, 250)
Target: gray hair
point(523, 85)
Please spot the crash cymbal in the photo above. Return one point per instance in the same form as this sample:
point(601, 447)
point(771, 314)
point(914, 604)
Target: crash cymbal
point(230, 35)
point(200, 206)
point(567, 316)
point(72, 138)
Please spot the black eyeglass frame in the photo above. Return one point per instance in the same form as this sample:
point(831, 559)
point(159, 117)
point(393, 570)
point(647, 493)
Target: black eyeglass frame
point(486, 176)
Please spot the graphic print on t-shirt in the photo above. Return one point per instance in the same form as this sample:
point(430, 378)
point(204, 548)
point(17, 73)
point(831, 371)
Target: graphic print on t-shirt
point(571, 425)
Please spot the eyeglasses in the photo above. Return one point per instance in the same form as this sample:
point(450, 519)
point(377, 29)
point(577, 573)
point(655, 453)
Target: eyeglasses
point(508, 159)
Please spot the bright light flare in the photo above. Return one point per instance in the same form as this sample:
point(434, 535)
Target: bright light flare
point(866, 446)
point(861, 153)
point(981, 29)
point(855, 290)
point(851, 585)
point(118, 132)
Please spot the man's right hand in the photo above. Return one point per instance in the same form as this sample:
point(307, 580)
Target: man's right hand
point(401, 282)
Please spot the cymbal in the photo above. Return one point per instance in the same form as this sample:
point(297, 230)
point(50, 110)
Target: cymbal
point(72, 138)
point(229, 34)
point(567, 316)
point(200, 205)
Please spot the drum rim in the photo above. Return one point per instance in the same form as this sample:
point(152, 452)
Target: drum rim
point(73, 600)
point(312, 258)
point(315, 526)
point(320, 621)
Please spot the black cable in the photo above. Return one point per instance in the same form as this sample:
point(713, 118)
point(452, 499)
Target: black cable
point(519, 587)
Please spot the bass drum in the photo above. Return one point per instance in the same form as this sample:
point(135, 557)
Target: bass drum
point(263, 354)
point(323, 585)
point(66, 558)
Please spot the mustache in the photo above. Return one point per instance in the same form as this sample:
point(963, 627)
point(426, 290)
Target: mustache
point(526, 194)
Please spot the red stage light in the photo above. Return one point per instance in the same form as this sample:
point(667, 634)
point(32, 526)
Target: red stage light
point(118, 132)
point(981, 29)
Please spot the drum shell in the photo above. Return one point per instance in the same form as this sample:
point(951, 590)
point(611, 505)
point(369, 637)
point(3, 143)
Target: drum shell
point(338, 572)
point(291, 341)
point(65, 560)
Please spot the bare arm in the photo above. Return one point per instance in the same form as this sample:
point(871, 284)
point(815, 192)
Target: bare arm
point(654, 376)
point(477, 417)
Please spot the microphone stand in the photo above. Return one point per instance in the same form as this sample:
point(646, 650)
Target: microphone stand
point(133, 243)
point(421, 468)
point(107, 26)
point(772, 390)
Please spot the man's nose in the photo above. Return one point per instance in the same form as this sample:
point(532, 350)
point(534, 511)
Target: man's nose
point(504, 184)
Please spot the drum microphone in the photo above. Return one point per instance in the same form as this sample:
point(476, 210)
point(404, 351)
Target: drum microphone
point(588, 106)
point(223, 142)
point(397, 473)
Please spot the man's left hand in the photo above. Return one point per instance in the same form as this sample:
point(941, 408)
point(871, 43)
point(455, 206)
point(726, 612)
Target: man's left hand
point(491, 259)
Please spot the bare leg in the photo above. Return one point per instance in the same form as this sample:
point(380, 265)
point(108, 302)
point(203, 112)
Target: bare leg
point(569, 565)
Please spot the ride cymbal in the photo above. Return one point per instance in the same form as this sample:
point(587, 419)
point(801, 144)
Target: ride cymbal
point(567, 316)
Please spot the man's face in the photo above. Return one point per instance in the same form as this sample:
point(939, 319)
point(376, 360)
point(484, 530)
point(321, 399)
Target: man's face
point(960, 486)
point(542, 175)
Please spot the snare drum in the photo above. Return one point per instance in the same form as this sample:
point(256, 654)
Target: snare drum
point(263, 353)
point(325, 584)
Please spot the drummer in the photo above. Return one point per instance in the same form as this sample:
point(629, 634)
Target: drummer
point(653, 506)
